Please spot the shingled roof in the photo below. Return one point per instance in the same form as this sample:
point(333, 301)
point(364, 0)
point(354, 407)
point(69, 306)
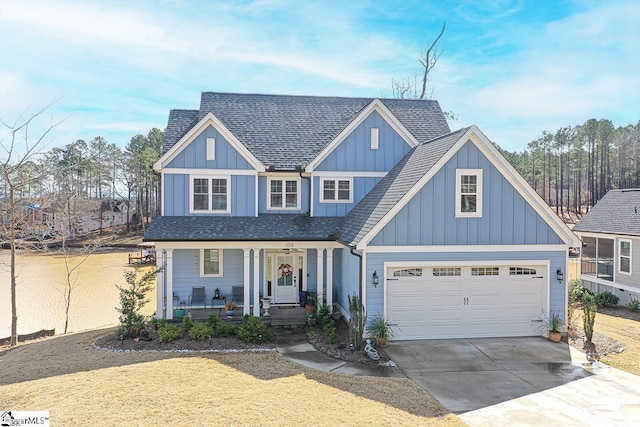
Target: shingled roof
point(286, 131)
point(618, 212)
point(388, 192)
point(272, 227)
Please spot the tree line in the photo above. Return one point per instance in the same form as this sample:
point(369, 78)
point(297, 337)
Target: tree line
point(574, 167)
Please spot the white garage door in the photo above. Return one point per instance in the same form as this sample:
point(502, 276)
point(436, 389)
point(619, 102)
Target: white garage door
point(465, 302)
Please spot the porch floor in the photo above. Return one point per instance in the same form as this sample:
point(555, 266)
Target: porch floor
point(282, 316)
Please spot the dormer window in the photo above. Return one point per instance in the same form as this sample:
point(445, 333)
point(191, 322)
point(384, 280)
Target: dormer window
point(468, 193)
point(283, 194)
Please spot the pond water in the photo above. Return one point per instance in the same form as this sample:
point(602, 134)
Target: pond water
point(40, 289)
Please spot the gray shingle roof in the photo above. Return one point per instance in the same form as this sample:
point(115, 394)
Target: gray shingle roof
point(265, 227)
point(618, 212)
point(388, 192)
point(180, 121)
point(285, 131)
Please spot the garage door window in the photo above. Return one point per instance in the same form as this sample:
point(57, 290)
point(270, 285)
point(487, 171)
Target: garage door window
point(485, 271)
point(408, 272)
point(522, 271)
point(447, 271)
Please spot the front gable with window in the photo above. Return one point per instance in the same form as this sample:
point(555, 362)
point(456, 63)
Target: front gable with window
point(210, 194)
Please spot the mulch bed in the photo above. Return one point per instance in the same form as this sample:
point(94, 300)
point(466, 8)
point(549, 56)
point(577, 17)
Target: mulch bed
point(601, 345)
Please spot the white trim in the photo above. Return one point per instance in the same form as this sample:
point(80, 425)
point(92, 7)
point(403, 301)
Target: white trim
point(375, 105)
point(352, 174)
point(257, 200)
point(468, 172)
point(256, 282)
point(593, 279)
point(619, 256)
point(169, 280)
point(320, 277)
point(335, 179)
point(194, 171)
point(284, 179)
point(246, 283)
point(210, 190)
point(220, 264)
point(194, 132)
point(375, 132)
point(162, 198)
point(211, 148)
point(330, 277)
point(493, 155)
point(311, 195)
point(466, 248)
point(502, 263)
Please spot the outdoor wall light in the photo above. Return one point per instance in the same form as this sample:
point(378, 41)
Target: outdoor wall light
point(559, 275)
point(374, 279)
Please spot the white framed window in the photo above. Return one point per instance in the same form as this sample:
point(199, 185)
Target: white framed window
point(447, 271)
point(469, 193)
point(336, 190)
point(283, 193)
point(211, 148)
point(624, 256)
point(210, 194)
point(211, 262)
point(522, 271)
point(374, 138)
point(408, 272)
point(485, 271)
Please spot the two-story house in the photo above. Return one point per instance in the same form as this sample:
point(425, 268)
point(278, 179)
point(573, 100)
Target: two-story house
point(433, 229)
point(610, 235)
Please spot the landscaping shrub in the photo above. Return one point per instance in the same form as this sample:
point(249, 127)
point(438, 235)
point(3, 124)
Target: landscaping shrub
point(606, 299)
point(188, 323)
point(200, 331)
point(213, 320)
point(634, 305)
point(133, 297)
point(224, 330)
point(357, 322)
point(169, 332)
point(589, 307)
point(253, 330)
point(324, 313)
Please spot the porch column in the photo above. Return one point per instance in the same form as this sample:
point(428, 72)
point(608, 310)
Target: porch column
point(330, 278)
point(320, 285)
point(169, 281)
point(162, 300)
point(256, 282)
point(247, 306)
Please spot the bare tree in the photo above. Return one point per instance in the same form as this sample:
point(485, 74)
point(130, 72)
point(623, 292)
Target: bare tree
point(19, 148)
point(408, 88)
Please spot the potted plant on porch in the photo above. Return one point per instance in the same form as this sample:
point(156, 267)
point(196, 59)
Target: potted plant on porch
point(310, 304)
point(553, 325)
point(229, 307)
point(380, 328)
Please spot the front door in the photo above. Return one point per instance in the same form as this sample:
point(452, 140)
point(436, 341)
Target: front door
point(286, 283)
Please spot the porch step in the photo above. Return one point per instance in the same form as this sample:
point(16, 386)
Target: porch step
point(288, 323)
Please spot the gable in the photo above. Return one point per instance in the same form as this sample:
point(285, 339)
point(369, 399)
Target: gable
point(354, 153)
point(429, 216)
point(194, 154)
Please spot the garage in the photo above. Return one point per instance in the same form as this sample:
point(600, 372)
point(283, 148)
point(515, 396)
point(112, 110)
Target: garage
point(466, 301)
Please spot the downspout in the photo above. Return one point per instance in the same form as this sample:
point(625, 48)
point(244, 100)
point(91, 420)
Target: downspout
point(300, 170)
point(352, 249)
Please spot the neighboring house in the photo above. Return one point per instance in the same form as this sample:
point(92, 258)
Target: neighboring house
point(610, 235)
point(341, 196)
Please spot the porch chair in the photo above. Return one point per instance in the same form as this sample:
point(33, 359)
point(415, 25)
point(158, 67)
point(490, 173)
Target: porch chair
point(197, 295)
point(237, 294)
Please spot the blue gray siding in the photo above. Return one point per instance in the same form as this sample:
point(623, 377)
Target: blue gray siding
point(375, 262)
point(176, 195)
point(349, 282)
point(361, 186)
point(355, 153)
point(429, 218)
point(194, 155)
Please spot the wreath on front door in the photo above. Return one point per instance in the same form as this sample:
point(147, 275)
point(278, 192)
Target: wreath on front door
point(285, 270)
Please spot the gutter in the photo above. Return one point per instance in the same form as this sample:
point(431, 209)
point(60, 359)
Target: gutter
point(353, 252)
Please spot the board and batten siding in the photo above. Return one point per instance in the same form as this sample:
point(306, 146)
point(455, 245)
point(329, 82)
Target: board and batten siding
point(194, 155)
point(429, 217)
point(375, 262)
point(349, 281)
point(176, 196)
point(361, 186)
point(354, 153)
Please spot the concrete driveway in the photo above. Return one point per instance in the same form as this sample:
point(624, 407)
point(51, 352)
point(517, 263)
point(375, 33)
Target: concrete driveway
point(519, 381)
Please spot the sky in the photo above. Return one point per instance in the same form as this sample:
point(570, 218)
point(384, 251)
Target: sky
point(514, 68)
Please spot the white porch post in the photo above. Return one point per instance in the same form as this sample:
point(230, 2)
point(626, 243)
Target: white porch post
point(247, 307)
point(330, 278)
point(163, 301)
point(169, 274)
point(320, 285)
point(256, 282)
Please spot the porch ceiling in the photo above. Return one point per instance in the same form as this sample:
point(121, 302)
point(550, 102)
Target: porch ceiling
point(276, 227)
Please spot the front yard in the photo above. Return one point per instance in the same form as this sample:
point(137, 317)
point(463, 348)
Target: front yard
point(82, 386)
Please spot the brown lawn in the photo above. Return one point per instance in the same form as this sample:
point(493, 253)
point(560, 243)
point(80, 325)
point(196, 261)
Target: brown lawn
point(83, 386)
